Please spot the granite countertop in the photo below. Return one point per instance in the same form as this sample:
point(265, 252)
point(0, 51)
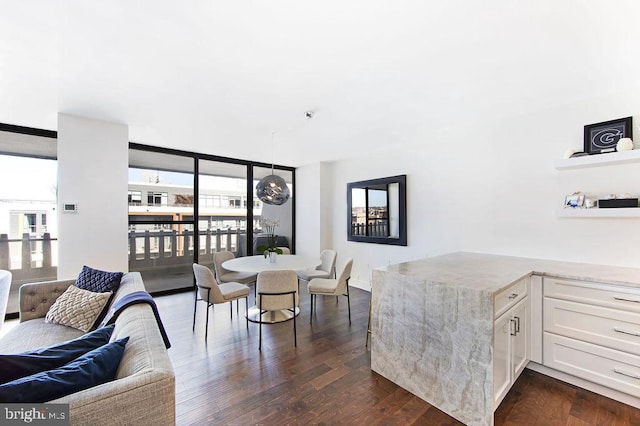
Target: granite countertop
point(492, 273)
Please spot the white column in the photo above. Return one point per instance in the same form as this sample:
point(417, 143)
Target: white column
point(93, 164)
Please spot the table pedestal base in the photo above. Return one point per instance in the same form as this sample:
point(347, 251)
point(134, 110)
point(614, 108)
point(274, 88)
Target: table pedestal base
point(270, 317)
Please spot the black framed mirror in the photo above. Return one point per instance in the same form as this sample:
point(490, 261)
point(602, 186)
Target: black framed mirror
point(377, 211)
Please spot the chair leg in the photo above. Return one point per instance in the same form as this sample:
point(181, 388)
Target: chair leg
point(206, 329)
point(295, 335)
point(246, 310)
point(311, 302)
point(195, 305)
point(231, 308)
point(348, 302)
point(260, 325)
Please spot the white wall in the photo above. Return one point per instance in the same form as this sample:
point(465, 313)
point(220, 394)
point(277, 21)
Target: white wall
point(492, 188)
point(308, 210)
point(314, 212)
point(326, 207)
point(92, 172)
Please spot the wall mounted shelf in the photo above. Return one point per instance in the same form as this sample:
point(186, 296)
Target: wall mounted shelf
point(595, 213)
point(597, 160)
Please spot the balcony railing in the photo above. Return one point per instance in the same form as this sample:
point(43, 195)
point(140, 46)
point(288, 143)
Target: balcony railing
point(29, 259)
point(164, 256)
point(168, 247)
point(375, 229)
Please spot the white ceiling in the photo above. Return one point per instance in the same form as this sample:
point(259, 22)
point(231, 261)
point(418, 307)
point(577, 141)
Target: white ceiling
point(220, 76)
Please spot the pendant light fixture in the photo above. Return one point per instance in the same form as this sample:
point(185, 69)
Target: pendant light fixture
point(272, 189)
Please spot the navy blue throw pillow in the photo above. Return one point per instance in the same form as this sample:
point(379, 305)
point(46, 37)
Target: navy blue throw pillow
point(35, 361)
point(91, 369)
point(98, 281)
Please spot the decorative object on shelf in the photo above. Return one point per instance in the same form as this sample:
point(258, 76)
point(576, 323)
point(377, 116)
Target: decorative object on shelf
point(574, 200)
point(271, 250)
point(578, 154)
point(617, 203)
point(272, 189)
point(590, 203)
point(603, 137)
point(624, 144)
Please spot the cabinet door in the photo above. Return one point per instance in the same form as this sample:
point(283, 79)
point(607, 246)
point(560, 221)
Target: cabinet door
point(501, 357)
point(520, 349)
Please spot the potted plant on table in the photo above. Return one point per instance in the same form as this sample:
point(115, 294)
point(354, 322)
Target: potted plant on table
point(270, 250)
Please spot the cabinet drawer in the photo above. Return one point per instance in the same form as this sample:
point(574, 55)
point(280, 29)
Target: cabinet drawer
point(607, 367)
point(510, 296)
point(608, 295)
point(612, 328)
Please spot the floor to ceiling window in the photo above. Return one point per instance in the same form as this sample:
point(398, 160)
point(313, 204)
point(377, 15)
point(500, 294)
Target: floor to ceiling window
point(28, 214)
point(222, 209)
point(168, 188)
point(161, 227)
point(283, 214)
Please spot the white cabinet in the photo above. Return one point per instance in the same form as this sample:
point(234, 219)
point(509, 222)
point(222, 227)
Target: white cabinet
point(502, 376)
point(592, 331)
point(520, 350)
point(511, 338)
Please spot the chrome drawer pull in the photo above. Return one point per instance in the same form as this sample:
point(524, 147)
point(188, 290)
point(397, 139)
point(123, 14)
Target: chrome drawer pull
point(633, 333)
point(626, 300)
point(513, 296)
point(633, 376)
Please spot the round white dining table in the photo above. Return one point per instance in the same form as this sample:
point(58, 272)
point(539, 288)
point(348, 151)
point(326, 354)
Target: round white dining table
point(259, 263)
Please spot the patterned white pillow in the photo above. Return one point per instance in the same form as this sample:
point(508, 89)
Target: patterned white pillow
point(77, 308)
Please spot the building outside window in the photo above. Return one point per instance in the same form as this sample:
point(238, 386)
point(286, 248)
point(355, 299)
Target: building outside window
point(206, 200)
point(30, 223)
point(135, 198)
point(235, 202)
point(157, 198)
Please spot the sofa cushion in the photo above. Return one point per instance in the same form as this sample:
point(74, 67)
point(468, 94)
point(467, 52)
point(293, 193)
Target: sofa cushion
point(91, 369)
point(35, 361)
point(98, 281)
point(77, 308)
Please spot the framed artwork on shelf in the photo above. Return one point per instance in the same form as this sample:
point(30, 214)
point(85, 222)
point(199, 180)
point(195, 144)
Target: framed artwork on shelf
point(603, 137)
point(574, 201)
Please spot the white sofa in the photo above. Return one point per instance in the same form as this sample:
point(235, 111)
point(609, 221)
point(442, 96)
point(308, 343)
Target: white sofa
point(143, 392)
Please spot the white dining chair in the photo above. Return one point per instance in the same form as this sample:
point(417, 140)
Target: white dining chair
point(326, 269)
point(332, 286)
point(213, 293)
point(277, 290)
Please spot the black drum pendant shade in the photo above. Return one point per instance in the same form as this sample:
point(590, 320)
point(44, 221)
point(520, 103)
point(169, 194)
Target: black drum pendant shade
point(272, 189)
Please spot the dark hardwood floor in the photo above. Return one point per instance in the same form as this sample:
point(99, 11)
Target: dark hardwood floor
point(327, 379)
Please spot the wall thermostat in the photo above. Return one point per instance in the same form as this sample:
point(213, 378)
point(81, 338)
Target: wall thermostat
point(70, 208)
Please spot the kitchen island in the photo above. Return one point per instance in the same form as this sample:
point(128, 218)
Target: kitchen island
point(457, 329)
